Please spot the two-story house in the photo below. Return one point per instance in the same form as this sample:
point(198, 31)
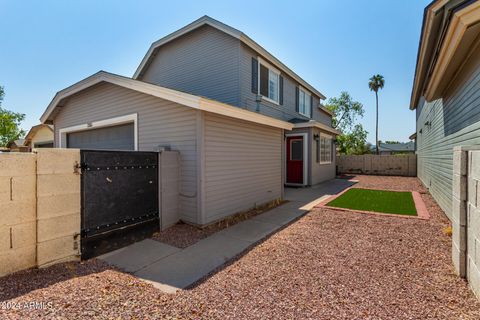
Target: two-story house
point(244, 123)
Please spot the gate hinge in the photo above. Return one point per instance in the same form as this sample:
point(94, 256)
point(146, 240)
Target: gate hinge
point(77, 168)
point(76, 243)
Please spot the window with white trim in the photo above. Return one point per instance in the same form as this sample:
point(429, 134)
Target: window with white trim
point(325, 149)
point(304, 103)
point(269, 82)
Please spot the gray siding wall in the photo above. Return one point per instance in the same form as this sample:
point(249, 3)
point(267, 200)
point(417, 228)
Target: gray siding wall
point(210, 63)
point(454, 121)
point(317, 172)
point(320, 171)
point(283, 112)
point(243, 165)
point(203, 62)
point(160, 122)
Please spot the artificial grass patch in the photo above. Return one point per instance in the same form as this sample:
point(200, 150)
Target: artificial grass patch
point(376, 200)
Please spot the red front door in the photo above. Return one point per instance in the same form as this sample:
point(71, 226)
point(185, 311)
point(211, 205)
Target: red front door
point(295, 159)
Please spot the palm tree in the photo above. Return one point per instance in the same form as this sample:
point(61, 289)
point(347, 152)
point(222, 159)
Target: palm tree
point(376, 82)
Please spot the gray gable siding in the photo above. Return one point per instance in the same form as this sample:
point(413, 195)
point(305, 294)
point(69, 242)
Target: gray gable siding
point(283, 112)
point(203, 62)
point(160, 122)
point(213, 64)
point(444, 124)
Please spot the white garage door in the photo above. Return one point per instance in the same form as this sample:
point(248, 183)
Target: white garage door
point(119, 137)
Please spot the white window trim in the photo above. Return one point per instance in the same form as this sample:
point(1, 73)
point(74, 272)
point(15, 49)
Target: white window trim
point(307, 93)
point(305, 159)
point(102, 124)
point(273, 69)
point(331, 148)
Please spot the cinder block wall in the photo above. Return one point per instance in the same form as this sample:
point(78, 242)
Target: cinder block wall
point(40, 208)
point(466, 215)
point(17, 211)
point(58, 206)
point(473, 218)
point(393, 165)
point(459, 210)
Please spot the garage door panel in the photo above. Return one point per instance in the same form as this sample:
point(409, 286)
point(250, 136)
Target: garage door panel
point(121, 137)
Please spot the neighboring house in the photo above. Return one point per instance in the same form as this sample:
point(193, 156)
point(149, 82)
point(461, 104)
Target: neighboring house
point(17, 146)
point(39, 136)
point(244, 123)
point(395, 148)
point(413, 137)
point(446, 92)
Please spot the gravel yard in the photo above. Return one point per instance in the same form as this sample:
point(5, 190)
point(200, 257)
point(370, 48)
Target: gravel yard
point(182, 235)
point(327, 265)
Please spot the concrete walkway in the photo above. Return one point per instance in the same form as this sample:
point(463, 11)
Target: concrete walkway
point(169, 268)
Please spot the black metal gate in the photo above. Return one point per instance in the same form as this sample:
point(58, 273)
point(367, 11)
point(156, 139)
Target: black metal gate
point(119, 199)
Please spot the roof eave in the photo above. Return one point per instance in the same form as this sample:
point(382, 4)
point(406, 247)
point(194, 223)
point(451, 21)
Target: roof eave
point(438, 61)
point(316, 124)
point(182, 98)
point(428, 15)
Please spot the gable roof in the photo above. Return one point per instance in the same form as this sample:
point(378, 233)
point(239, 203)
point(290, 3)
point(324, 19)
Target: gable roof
point(182, 98)
point(16, 143)
point(34, 130)
point(206, 20)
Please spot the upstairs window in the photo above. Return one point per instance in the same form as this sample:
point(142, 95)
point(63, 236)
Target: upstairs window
point(304, 103)
point(269, 82)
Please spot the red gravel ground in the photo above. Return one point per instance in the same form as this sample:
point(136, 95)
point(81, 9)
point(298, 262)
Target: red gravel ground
point(327, 265)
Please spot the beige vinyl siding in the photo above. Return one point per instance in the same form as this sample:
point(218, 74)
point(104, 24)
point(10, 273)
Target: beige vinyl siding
point(160, 122)
point(243, 165)
point(455, 121)
point(44, 134)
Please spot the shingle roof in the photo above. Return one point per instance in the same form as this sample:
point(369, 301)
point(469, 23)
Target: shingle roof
point(397, 147)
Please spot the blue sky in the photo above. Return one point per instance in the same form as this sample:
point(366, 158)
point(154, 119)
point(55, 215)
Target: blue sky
point(334, 45)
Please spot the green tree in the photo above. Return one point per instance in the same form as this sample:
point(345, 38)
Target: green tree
point(354, 142)
point(9, 123)
point(345, 113)
point(376, 83)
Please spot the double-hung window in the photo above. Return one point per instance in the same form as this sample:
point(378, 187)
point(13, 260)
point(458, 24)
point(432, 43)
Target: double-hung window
point(304, 103)
point(269, 82)
point(325, 148)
